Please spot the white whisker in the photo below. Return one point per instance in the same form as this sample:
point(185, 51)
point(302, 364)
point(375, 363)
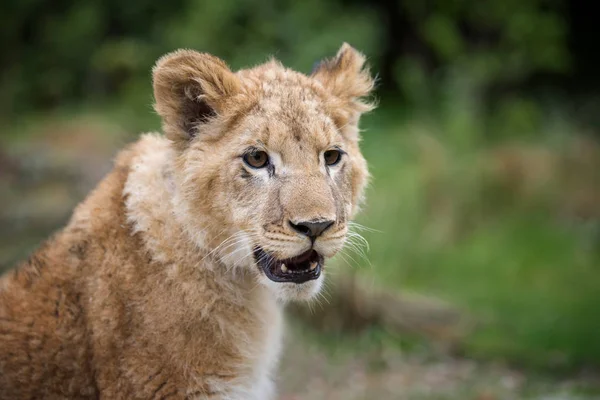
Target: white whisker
point(360, 227)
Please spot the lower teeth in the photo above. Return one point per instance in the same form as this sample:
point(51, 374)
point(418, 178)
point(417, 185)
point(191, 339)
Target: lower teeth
point(287, 270)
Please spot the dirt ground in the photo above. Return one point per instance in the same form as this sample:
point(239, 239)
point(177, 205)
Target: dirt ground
point(308, 371)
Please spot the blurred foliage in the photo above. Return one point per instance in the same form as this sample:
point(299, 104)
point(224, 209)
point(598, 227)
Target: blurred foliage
point(66, 51)
point(490, 44)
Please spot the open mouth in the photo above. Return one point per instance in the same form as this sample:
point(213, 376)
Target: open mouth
point(302, 268)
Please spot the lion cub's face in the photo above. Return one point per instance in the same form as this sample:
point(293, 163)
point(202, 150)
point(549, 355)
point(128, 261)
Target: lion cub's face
point(268, 169)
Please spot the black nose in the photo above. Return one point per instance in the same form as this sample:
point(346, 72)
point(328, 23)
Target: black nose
point(311, 229)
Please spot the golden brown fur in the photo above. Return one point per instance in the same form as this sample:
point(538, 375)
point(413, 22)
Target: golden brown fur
point(152, 290)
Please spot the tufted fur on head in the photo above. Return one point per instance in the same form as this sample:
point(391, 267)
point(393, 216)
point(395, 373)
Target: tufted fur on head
point(346, 77)
point(170, 278)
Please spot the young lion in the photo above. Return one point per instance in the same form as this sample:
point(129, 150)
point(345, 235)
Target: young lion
point(170, 278)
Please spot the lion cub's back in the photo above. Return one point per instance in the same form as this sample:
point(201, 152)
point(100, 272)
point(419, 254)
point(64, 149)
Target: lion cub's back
point(43, 339)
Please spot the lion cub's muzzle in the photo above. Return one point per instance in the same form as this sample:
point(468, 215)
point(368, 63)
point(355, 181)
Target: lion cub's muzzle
point(302, 268)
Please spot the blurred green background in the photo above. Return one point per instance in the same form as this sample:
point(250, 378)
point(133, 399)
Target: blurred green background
point(482, 280)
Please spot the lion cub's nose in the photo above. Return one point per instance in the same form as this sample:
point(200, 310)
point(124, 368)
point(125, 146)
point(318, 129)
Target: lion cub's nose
point(310, 228)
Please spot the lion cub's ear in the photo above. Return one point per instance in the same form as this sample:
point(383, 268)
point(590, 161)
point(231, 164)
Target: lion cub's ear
point(190, 88)
point(348, 79)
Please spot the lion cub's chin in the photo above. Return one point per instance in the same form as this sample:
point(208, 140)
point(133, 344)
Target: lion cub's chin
point(289, 291)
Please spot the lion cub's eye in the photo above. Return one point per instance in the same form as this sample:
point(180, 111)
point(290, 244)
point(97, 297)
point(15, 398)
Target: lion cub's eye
point(256, 159)
point(332, 157)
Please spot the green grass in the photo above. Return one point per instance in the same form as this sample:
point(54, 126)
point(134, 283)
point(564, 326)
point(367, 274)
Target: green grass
point(530, 283)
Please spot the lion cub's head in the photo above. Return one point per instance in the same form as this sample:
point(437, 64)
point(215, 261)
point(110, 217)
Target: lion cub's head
point(268, 167)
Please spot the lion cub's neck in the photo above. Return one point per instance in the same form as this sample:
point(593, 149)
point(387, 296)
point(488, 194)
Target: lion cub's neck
point(155, 212)
point(151, 203)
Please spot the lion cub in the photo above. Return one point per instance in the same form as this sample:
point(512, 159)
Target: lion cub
point(170, 278)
